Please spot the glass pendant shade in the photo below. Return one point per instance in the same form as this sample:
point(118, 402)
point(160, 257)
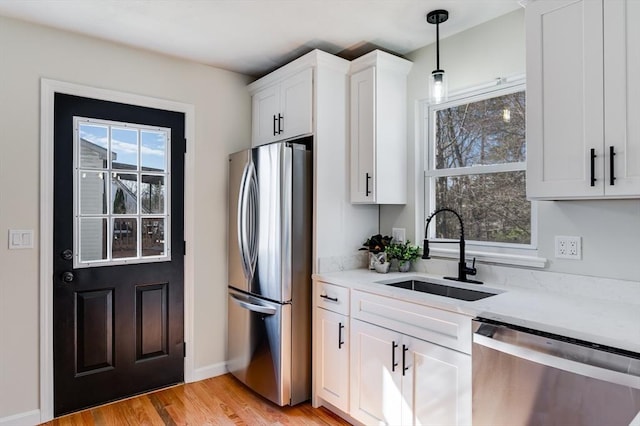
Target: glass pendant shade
point(438, 89)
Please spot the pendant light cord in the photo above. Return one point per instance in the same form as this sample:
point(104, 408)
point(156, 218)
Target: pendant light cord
point(438, 45)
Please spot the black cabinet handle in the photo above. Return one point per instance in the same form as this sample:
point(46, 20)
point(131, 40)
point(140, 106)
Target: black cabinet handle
point(280, 123)
point(612, 175)
point(593, 166)
point(394, 364)
point(367, 191)
point(340, 342)
point(404, 360)
point(275, 120)
point(333, 299)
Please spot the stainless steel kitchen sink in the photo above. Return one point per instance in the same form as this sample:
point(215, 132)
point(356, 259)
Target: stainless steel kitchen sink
point(440, 289)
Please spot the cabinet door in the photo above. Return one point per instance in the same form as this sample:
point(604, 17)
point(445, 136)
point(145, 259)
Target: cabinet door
point(363, 113)
point(436, 384)
point(296, 105)
point(564, 98)
point(376, 394)
point(622, 97)
point(265, 109)
point(333, 358)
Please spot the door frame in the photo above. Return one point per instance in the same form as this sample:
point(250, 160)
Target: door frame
point(48, 89)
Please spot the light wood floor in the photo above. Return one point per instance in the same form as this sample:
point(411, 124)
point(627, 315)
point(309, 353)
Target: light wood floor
point(221, 400)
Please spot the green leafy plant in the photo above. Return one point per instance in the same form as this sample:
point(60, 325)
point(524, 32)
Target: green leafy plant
point(402, 251)
point(376, 244)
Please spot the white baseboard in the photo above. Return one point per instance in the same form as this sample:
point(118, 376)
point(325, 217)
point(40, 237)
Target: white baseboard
point(207, 372)
point(21, 419)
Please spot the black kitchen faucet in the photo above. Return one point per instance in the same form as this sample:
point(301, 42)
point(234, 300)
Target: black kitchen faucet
point(463, 270)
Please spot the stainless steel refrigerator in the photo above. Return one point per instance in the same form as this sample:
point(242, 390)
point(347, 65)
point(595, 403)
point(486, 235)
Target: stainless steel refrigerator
point(269, 301)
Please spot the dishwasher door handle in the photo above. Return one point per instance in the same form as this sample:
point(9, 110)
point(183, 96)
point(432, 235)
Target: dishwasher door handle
point(560, 363)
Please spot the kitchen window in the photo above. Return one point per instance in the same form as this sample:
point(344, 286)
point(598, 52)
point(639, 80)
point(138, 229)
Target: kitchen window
point(476, 165)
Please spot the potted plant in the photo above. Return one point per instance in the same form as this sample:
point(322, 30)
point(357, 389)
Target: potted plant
point(404, 253)
point(376, 245)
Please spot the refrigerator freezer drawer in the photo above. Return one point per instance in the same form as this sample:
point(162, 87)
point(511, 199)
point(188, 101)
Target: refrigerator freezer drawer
point(259, 346)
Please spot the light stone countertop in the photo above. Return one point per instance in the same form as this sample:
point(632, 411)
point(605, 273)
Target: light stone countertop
point(604, 322)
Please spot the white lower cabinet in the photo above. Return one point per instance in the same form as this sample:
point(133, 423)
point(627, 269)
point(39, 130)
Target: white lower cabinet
point(332, 354)
point(376, 377)
point(398, 379)
point(381, 360)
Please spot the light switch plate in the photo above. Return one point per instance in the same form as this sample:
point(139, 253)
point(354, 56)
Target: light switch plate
point(398, 235)
point(20, 239)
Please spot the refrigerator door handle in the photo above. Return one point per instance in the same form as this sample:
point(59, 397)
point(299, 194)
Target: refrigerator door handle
point(267, 310)
point(246, 220)
point(253, 208)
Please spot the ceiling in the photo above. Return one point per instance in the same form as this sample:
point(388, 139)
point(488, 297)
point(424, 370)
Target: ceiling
point(254, 37)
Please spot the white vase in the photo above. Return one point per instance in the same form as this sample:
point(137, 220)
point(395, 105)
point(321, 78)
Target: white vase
point(404, 265)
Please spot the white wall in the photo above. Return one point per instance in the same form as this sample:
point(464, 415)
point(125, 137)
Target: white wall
point(222, 125)
point(610, 230)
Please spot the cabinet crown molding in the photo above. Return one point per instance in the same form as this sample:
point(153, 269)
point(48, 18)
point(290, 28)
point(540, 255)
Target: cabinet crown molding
point(315, 58)
point(381, 59)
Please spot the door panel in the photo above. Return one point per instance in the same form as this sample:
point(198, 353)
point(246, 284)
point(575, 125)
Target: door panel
point(118, 330)
point(94, 331)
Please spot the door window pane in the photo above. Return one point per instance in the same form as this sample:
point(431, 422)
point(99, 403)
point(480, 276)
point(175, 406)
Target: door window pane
point(124, 148)
point(93, 192)
point(153, 153)
point(94, 146)
point(121, 193)
point(125, 238)
point(153, 237)
point(124, 190)
point(153, 194)
point(93, 239)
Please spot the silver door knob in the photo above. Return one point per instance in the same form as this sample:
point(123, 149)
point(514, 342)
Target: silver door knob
point(67, 276)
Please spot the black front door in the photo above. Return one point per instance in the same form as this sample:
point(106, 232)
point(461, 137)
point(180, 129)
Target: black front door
point(118, 251)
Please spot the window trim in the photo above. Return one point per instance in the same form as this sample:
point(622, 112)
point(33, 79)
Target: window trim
point(484, 251)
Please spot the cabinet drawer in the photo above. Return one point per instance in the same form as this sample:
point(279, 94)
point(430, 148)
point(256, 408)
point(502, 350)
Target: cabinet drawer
point(433, 325)
point(331, 297)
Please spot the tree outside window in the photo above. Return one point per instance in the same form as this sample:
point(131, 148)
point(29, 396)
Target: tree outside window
point(478, 168)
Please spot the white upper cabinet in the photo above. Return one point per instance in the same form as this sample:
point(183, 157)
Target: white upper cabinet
point(283, 110)
point(583, 79)
point(379, 129)
point(622, 97)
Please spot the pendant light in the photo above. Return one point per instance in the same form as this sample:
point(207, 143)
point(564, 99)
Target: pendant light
point(437, 79)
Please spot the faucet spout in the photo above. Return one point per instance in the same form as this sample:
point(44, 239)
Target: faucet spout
point(463, 269)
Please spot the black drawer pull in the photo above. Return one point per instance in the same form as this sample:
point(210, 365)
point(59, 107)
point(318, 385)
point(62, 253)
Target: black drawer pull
point(367, 190)
point(333, 299)
point(340, 342)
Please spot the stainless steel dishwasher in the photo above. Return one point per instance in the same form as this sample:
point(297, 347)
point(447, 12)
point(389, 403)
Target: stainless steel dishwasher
point(528, 377)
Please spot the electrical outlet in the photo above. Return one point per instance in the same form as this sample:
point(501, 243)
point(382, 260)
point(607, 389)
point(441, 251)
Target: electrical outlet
point(398, 234)
point(568, 247)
